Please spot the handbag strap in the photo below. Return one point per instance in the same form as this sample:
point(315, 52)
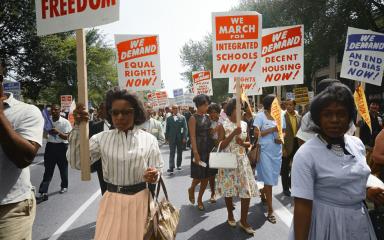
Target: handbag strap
point(161, 185)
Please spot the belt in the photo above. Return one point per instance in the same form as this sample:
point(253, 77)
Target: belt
point(128, 190)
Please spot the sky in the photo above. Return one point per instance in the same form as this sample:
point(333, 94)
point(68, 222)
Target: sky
point(175, 21)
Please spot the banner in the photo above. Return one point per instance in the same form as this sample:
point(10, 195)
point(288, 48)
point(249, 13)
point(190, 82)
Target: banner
point(248, 85)
point(276, 114)
point(202, 83)
point(236, 44)
point(66, 102)
point(362, 106)
point(54, 16)
point(138, 64)
point(363, 56)
point(282, 56)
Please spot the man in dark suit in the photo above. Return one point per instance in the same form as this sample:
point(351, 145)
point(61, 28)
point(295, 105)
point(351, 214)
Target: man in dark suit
point(96, 127)
point(292, 121)
point(175, 133)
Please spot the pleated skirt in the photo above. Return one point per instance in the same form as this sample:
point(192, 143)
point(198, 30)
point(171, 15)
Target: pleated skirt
point(121, 216)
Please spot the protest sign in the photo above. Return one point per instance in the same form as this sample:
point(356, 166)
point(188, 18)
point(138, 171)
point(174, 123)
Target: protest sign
point(188, 100)
point(54, 16)
point(14, 88)
point(66, 102)
point(276, 114)
point(158, 99)
point(236, 44)
point(138, 64)
point(248, 86)
point(282, 56)
point(71, 117)
point(301, 95)
point(363, 56)
point(362, 106)
point(178, 92)
point(202, 83)
point(290, 96)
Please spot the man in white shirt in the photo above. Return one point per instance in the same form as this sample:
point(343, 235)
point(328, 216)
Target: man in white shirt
point(153, 126)
point(21, 135)
point(55, 152)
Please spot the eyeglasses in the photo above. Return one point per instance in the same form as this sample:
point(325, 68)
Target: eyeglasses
point(124, 112)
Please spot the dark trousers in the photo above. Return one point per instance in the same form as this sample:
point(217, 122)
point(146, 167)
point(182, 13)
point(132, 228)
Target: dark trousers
point(172, 147)
point(286, 173)
point(286, 167)
point(98, 167)
point(55, 153)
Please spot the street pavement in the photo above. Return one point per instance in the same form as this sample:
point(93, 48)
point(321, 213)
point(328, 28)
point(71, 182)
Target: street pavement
point(72, 216)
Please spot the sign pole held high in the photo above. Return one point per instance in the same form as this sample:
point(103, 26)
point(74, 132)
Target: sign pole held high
point(83, 99)
point(238, 102)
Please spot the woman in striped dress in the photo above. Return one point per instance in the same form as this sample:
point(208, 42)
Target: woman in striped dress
point(130, 158)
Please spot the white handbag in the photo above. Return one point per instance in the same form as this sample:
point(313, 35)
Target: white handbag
point(224, 160)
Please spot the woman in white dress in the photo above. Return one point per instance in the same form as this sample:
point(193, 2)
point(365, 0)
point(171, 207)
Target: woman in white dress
point(330, 173)
point(239, 182)
point(130, 159)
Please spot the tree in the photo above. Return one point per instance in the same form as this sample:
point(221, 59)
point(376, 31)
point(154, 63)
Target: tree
point(197, 56)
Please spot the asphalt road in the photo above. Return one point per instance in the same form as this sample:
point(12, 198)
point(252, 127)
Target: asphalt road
point(72, 215)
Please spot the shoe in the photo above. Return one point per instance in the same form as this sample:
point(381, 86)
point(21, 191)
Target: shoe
point(232, 223)
point(271, 218)
point(63, 190)
point(43, 197)
point(170, 170)
point(287, 193)
point(201, 207)
point(178, 168)
point(248, 230)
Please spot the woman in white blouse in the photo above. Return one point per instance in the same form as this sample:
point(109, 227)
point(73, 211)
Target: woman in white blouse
point(130, 158)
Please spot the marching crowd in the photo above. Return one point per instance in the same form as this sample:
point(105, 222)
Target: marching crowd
point(328, 171)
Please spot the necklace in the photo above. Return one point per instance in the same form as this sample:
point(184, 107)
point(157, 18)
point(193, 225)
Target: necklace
point(335, 148)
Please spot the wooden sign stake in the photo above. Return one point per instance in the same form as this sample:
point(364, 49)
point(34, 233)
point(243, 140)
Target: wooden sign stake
point(238, 102)
point(83, 99)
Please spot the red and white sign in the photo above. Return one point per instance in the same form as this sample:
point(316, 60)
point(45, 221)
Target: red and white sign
point(202, 83)
point(236, 44)
point(138, 62)
point(54, 16)
point(66, 102)
point(283, 56)
point(158, 99)
point(248, 86)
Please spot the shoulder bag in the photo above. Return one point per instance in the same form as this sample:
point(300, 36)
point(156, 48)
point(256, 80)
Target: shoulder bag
point(254, 154)
point(163, 219)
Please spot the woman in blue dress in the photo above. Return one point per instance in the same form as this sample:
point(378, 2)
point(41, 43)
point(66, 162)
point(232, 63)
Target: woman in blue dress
point(329, 175)
point(268, 168)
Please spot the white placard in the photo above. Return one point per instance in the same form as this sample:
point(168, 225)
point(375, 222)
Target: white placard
point(283, 56)
point(248, 85)
point(138, 62)
point(202, 83)
point(363, 56)
point(236, 44)
point(54, 16)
